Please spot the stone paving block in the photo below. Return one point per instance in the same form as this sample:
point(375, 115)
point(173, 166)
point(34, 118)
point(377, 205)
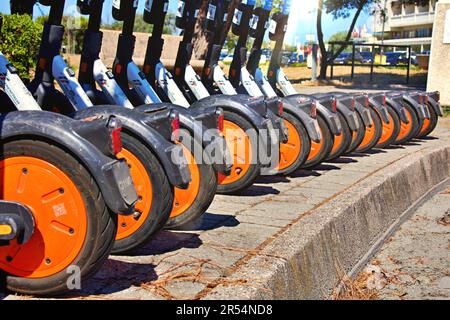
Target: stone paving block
point(258, 217)
point(283, 210)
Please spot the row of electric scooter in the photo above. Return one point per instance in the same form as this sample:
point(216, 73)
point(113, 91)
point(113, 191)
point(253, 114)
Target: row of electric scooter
point(100, 163)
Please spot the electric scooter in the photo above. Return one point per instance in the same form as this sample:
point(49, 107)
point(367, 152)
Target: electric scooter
point(248, 127)
point(295, 152)
point(201, 129)
point(148, 139)
point(402, 115)
point(62, 188)
point(215, 80)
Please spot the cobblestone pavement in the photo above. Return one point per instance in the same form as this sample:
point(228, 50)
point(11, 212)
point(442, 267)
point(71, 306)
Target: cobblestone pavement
point(189, 264)
point(415, 262)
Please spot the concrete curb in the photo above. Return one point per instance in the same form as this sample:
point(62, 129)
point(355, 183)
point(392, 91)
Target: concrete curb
point(309, 258)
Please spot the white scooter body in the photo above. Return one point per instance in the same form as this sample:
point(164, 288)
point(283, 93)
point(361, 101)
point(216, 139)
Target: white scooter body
point(222, 82)
point(248, 82)
point(194, 83)
point(168, 84)
point(66, 79)
point(13, 86)
point(140, 83)
point(107, 82)
point(284, 84)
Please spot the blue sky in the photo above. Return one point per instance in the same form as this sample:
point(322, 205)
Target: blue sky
point(301, 23)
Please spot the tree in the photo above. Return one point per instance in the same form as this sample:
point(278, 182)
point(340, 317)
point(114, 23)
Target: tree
point(20, 42)
point(344, 9)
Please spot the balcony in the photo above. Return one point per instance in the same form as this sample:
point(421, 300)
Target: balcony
point(415, 19)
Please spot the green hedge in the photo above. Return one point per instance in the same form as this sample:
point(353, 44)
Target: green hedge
point(20, 42)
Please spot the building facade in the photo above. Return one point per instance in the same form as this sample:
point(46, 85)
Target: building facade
point(407, 24)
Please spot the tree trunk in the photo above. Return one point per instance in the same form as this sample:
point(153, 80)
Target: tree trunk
point(323, 50)
point(326, 59)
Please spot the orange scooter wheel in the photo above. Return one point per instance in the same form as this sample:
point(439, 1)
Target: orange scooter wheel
point(408, 130)
point(153, 208)
point(295, 151)
point(242, 142)
point(357, 136)
point(191, 203)
point(74, 230)
point(320, 151)
point(390, 130)
point(429, 124)
point(341, 142)
point(373, 133)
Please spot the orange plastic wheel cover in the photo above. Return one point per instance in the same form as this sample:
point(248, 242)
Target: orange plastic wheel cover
point(405, 128)
point(183, 199)
point(425, 126)
point(239, 144)
point(127, 225)
point(290, 150)
point(316, 147)
point(59, 213)
point(368, 137)
point(388, 130)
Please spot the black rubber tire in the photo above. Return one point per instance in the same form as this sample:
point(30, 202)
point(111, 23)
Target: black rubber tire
point(378, 126)
point(396, 131)
point(304, 140)
point(433, 123)
point(328, 138)
point(358, 136)
point(415, 126)
point(101, 223)
point(255, 169)
point(162, 200)
point(206, 193)
point(346, 135)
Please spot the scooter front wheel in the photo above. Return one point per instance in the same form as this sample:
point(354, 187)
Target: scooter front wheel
point(190, 204)
point(390, 130)
point(242, 141)
point(74, 231)
point(341, 142)
point(429, 124)
point(320, 151)
point(155, 193)
point(408, 130)
point(357, 136)
point(293, 153)
point(372, 134)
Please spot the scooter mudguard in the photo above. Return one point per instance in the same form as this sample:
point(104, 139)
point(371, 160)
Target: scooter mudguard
point(152, 130)
point(200, 126)
point(396, 102)
point(376, 101)
point(325, 110)
point(345, 105)
point(253, 109)
point(433, 100)
point(301, 108)
point(111, 175)
point(362, 107)
point(415, 100)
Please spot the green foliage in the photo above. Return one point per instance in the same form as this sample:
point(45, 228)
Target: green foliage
point(20, 42)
